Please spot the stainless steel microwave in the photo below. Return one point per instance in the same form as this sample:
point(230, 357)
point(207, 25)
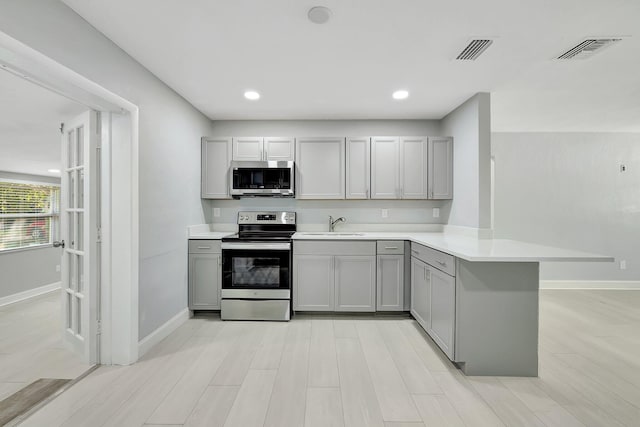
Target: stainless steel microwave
point(268, 178)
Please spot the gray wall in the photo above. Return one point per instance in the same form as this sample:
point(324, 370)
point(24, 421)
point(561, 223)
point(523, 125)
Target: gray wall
point(169, 137)
point(317, 211)
point(17, 267)
point(566, 189)
point(470, 126)
point(23, 270)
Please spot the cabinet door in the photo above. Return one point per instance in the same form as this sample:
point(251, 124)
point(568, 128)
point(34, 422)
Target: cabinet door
point(204, 281)
point(413, 169)
point(390, 283)
point(355, 283)
point(443, 303)
point(216, 157)
point(249, 148)
point(358, 165)
point(313, 283)
point(420, 293)
point(441, 168)
point(320, 166)
point(385, 168)
point(279, 149)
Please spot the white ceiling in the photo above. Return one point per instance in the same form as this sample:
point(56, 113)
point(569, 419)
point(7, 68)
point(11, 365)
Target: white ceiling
point(212, 51)
point(30, 118)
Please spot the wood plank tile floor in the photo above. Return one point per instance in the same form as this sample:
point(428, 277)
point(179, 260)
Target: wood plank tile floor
point(31, 345)
point(342, 371)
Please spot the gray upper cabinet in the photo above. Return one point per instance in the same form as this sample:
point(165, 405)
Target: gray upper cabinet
point(413, 169)
point(399, 167)
point(248, 148)
point(257, 148)
point(440, 168)
point(385, 168)
point(279, 148)
point(358, 167)
point(216, 157)
point(320, 165)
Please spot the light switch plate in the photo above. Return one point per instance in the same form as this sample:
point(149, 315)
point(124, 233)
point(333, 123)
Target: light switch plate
point(385, 213)
point(623, 264)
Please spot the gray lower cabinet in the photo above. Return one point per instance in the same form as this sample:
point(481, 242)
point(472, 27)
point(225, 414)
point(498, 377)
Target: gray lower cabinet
point(205, 274)
point(433, 295)
point(390, 292)
point(334, 276)
point(355, 280)
point(314, 282)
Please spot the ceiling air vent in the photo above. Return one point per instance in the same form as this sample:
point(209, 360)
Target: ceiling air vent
point(474, 49)
point(588, 48)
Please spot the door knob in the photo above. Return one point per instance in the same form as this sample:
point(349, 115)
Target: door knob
point(58, 244)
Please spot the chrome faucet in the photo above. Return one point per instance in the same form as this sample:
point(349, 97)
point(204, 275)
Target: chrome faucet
point(332, 223)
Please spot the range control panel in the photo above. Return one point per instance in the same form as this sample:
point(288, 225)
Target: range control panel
point(266, 217)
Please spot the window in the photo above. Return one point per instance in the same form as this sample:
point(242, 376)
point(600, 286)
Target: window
point(29, 215)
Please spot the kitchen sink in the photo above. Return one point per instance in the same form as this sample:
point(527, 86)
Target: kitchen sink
point(331, 234)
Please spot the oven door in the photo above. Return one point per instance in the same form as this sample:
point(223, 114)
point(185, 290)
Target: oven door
point(256, 270)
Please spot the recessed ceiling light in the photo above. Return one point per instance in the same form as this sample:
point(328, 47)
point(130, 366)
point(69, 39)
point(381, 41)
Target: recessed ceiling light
point(53, 170)
point(319, 14)
point(252, 95)
point(400, 94)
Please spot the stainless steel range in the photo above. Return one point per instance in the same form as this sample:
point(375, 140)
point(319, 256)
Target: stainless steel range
point(256, 267)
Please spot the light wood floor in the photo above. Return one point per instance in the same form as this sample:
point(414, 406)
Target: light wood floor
point(31, 345)
point(368, 372)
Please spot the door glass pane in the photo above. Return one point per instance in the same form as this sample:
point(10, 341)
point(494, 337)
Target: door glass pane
point(80, 195)
point(71, 229)
point(80, 146)
point(80, 265)
point(72, 271)
point(71, 191)
point(79, 316)
point(79, 244)
point(69, 313)
point(71, 149)
point(256, 271)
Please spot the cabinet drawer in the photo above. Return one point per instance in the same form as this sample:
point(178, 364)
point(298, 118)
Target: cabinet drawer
point(390, 247)
point(204, 246)
point(327, 247)
point(440, 260)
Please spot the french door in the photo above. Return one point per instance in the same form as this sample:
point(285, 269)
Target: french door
point(79, 234)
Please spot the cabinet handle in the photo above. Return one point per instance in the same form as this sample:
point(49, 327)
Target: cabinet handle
point(413, 251)
point(391, 247)
point(444, 264)
point(366, 193)
point(425, 274)
point(204, 247)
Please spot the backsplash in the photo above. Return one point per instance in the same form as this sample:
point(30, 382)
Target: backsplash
point(311, 212)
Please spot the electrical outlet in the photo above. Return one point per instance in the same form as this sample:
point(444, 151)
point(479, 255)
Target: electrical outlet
point(436, 212)
point(385, 213)
point(216, 212)
point(623, 168)
point(623, 264)
point(58, 268)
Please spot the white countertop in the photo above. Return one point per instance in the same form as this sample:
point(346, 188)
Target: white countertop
point(470, 248)
point(210, 235)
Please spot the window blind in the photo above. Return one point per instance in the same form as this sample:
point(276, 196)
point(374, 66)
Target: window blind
point(29, 215)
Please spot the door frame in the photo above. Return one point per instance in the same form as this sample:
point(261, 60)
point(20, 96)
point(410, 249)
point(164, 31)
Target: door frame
point(118, 299)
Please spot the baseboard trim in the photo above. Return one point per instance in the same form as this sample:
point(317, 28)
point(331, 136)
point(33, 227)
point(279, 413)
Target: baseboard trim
point(21, 296)
point(590, 284)
point(162, 332)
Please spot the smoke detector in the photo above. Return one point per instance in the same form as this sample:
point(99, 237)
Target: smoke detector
point(319, 14)
point(589, 47)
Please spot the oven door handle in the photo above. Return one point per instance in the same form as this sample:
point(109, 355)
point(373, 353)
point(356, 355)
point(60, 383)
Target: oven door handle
point(257, 246)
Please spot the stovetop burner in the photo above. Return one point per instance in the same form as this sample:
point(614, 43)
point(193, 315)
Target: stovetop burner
point(264, 226)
